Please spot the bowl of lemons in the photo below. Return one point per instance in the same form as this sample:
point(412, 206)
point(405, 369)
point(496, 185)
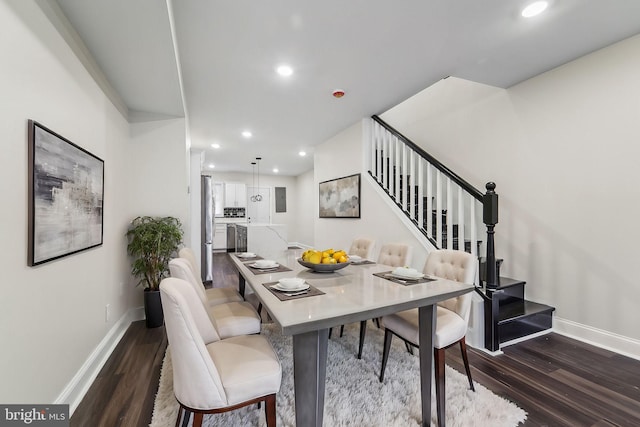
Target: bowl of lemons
point(326, 261)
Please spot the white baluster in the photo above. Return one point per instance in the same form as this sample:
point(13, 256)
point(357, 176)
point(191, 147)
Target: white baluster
point(412, 184)
point(420, 193)
point(397, 171)
point(472, 223)
point(372, 146)
point(460, 219)
point(404, 177)
point(430, 206)
point(439, 208)
point(449, 215)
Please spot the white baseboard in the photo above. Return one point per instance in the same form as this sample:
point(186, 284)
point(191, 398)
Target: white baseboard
point(75, 390)
point(617, 343)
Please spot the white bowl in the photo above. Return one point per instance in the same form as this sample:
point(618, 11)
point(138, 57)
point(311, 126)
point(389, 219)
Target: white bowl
point(247, 255)
point(407, 272)
point(355, 258)
point(262, 263)
point(291, 282)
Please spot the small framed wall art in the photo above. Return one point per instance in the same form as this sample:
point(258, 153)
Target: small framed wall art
point(340, 197)
point(66, 190)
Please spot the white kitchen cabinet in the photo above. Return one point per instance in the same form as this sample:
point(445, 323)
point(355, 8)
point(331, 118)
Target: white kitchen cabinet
point(235, 195)
point(220, 236)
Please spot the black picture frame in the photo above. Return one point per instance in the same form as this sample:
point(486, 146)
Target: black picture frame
point(66, 197)
point(340, 197)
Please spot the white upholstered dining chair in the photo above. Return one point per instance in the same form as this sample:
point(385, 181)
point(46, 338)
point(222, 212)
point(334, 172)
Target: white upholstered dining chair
point(230, 318)
point(393, 255)
point(452, 318)
point(362, 247)
point(213, 375)
point(214, 295)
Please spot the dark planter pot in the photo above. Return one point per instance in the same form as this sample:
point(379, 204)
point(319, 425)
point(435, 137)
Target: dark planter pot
point(153, 309)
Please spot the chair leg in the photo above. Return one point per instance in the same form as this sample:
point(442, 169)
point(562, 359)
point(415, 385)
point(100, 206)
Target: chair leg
point(341, 330)
point(377, 320)
point(197, 419)
point(330, 330)
point(270, 410)
point(385, 352)
point(409, 348)
point(363, 331)
point(438, 355)
point(463, 349)
point(260, 310)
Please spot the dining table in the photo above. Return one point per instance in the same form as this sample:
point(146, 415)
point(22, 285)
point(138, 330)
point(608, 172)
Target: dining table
point(351, 294)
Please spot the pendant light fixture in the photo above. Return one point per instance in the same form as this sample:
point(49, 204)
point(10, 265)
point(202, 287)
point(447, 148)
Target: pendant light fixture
point(256, 197)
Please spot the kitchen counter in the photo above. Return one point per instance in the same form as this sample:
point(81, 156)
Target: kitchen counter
point(266, 240)
point(227, 220)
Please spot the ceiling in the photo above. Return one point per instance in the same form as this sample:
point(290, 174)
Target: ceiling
point(214, 61)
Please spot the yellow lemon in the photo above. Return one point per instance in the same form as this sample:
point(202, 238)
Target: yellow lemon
point(326, 260)
point(343, 259)
point(337, 255)
point(315, 258)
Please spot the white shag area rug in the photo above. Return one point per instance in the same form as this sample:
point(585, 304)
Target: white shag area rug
point(353, 394)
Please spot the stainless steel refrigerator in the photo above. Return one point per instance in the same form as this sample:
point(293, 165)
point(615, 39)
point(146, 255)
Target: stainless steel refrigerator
point(207, 227)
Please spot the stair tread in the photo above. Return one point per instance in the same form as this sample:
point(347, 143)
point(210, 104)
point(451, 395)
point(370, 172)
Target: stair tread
point(504, 283)
point(519, 309)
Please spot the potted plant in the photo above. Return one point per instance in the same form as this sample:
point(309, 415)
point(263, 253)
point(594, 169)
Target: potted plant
point(152, 242)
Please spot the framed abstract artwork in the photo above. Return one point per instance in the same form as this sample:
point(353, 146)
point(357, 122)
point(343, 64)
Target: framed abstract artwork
point(340, 197)
point(66, 189)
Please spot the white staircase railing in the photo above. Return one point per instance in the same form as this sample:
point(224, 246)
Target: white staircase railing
point(423, 187)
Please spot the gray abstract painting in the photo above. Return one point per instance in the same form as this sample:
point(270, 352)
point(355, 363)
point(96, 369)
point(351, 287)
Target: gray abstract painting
point(66, 200)
point(340, 198)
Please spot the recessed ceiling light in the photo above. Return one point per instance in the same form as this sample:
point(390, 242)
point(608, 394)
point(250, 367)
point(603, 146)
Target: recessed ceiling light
point(246, 134)
point(211, 166)
point(534, 9)
point(284, 70)
point(215, 145)
point(302, 154)
point(275, 170)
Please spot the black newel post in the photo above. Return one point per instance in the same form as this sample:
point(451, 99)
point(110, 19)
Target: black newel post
point(490, 219)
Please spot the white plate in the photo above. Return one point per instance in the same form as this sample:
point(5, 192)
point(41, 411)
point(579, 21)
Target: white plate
point(265, 267)
point(247, 255)
point(402, 276)
point(291, 282)
point(302, 287)
point(355, 258)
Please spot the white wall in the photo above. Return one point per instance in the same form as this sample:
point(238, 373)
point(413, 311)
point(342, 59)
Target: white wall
point(340, 156)
point(156, 157)
point(52, 317)
point(563, 149)
point(306, 197)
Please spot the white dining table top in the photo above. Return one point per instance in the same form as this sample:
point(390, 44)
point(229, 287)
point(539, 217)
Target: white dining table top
point(351, 294)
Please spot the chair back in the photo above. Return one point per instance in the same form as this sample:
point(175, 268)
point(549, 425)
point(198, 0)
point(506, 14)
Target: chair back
point(395, 254)
point(363, 247)
point(180, 269)
point(196, 380)
point(187, 254)
point(453, 265)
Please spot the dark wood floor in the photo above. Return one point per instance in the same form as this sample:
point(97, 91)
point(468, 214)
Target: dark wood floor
point(557, 380)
